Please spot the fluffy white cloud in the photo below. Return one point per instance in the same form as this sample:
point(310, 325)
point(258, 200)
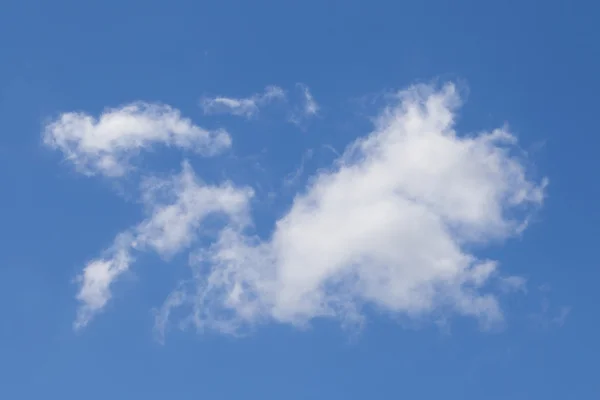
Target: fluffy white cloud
point(390, 225)
point(245, 107)
point(106, 144)
point(176, 210)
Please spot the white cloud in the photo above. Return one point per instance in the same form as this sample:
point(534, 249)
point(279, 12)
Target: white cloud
point(561, 318)
point(389, 226)
point(249, 107)
point(513, 283)
point(106, 144)
point(176, 208)
point(306, 109)
point(292, 177)
point(97, 277)
point(245, 107)
point(310, 105)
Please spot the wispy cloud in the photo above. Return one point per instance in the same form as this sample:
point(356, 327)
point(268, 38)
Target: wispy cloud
point(250, 107)
point(245, 107)
point(310, 105)
point(549, 316)
point(105, 145)
point(306, 109)
point(292, 177)
point(513, 283)
point(172, 225)
point(562, 315)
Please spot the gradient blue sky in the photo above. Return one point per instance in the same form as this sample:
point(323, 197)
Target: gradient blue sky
point(529, 64)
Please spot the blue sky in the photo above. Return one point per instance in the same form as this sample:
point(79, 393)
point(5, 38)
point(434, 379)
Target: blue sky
point(291, 200)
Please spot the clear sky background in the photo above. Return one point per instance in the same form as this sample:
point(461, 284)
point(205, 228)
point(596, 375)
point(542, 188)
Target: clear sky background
point(316, 272)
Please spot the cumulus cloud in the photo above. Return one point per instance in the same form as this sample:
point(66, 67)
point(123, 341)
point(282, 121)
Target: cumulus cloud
point(244, 107)
point(105, 145)
point(390, 226)
point(176, 208)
